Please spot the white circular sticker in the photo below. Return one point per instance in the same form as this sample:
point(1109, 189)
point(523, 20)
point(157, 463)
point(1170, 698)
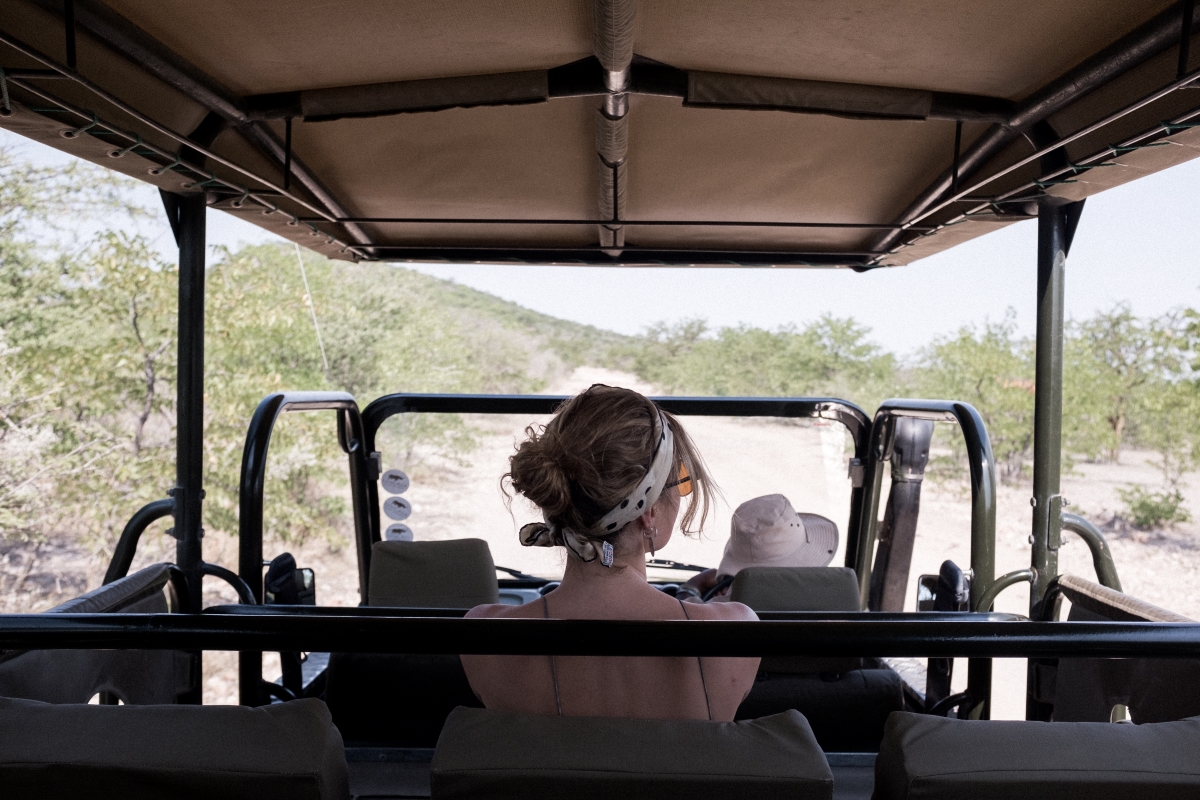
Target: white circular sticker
point(394, 482)
point(398, 532)
point(397, 508)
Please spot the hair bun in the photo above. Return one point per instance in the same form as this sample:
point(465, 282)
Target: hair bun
point(537, 472)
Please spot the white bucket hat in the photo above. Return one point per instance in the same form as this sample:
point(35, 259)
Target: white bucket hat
point(767, 532)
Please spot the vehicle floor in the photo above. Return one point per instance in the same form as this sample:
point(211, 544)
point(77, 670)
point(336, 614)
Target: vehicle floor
point(386, 773)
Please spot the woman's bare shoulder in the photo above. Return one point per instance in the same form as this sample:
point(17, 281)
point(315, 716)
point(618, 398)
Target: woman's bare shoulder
point(721, 611)
point(502, 610)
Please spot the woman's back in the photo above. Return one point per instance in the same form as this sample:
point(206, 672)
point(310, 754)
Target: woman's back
point(613, 686)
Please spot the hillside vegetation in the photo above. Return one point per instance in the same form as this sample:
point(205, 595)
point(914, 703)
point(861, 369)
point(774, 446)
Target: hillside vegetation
point(87, 369)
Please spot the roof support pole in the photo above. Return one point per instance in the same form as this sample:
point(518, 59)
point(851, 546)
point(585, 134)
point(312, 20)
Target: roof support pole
point(189, 225)
point(612, 41)
point(1057, 219)
point(189, 435)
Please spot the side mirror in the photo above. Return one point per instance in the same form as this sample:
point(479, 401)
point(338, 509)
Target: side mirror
point(949, 590)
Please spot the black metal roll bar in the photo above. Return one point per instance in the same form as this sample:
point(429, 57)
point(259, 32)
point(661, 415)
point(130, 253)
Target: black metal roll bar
point(123, 553)
point(810, 616)
point(983, 487)
point(254, 468)
point(843, 411)
point(1102, 560)
point(983, 512)
point(430, 635)
point(250, 499)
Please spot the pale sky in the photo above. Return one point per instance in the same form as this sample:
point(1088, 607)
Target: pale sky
point(1138, 243)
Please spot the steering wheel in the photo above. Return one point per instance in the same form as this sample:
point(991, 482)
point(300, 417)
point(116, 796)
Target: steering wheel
point(715, 590)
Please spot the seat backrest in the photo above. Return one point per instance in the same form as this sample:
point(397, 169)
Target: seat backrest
point(290, 750)
point(141, 592)
point(75, 676)
point(498, 755)
point(454, 573)
point(1153, 689)
point(797, 589)
point(938, 757)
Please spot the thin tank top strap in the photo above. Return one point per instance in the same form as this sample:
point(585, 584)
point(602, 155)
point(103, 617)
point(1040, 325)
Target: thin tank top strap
point(554, 671)
point(700, 664)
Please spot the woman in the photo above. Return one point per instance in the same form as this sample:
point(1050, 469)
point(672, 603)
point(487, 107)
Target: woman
point(608, 473)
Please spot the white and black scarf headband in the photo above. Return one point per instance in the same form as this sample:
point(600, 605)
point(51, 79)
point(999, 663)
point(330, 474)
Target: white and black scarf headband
point(583, 544)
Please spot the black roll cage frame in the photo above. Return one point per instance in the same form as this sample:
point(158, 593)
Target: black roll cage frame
point(872, 448)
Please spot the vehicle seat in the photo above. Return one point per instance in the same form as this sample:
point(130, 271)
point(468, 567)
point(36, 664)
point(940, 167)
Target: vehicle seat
point(290, 750)
point(846, 704)
point(453, 573)
point(932, 758)
point(498, 756)
point(402, 700)
point(1153, 689)
point(75, 676)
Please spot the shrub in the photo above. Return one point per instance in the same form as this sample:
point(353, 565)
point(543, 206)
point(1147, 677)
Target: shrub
point(1151, 510)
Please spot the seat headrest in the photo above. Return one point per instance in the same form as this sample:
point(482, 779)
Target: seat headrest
point(497, 754)
point(178, 751)
point(455, 573)
point(796, 589)
point(925, 756)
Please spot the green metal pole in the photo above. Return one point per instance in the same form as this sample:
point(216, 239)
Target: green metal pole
point(1056, 227)
point(1047, 419)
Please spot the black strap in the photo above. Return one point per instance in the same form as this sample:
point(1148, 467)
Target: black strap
point(553, 670)
point(700, 664)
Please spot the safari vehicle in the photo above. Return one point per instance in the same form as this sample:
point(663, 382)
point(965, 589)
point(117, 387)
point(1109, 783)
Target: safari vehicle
point(855, 135)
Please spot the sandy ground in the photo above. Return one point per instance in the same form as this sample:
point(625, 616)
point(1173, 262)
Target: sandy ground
point(806, 462)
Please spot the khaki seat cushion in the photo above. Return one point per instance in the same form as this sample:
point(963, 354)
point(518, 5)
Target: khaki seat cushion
point(936, 758)
point(497, 755)
point(289, 751)
point(799, 589)
point(455, 573)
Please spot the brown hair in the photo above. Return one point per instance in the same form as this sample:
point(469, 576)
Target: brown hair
point(594, 453)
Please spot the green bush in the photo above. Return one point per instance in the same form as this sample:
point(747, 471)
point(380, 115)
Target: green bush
point(1152, 510)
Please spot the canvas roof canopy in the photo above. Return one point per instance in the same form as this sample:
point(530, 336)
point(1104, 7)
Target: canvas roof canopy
point(851, 133)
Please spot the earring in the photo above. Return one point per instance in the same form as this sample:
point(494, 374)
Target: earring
point(653, 534)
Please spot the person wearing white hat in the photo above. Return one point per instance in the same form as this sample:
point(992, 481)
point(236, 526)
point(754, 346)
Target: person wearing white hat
point(767, 532)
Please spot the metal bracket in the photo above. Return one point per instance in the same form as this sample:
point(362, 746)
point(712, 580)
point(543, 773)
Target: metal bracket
point(1056, 506)
point(374, 466)
point(856, 472)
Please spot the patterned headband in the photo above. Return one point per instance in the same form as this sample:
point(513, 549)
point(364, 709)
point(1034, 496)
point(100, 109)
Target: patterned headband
point(645, 494)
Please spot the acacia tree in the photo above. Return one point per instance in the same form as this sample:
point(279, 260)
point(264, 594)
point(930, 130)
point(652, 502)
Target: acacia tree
point(991, 368)
point(1118, 364)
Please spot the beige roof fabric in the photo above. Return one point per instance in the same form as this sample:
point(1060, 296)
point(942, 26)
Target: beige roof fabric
point(451, 111)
